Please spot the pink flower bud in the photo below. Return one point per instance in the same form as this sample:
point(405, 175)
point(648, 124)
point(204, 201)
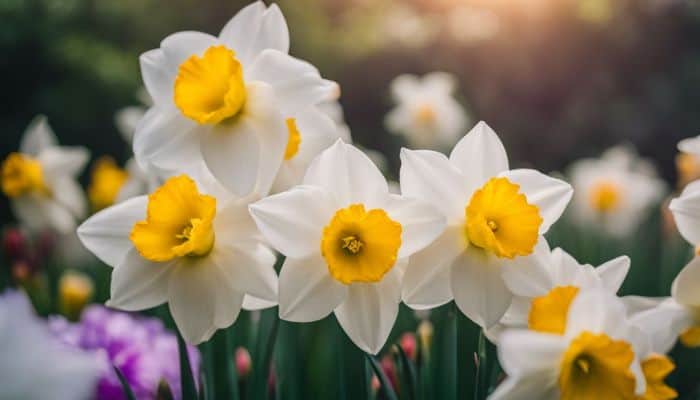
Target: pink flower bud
point(408, 345)
point(243, 362)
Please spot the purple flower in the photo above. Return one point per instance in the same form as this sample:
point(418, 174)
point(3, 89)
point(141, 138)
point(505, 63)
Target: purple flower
point(143, 350)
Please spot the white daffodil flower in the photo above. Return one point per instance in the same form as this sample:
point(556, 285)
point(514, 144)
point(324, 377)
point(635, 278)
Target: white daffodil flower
point(614, 192)
point(678, 316)
point(426, 112)
point(310, 132)
point(346, 239)
point(686, 213)
point(595, 358)
point(41, 180)
point(225, 100)
point(495, 216)
point(188, 243)
point(660, 320)
point(34, 365)
point(544, 289)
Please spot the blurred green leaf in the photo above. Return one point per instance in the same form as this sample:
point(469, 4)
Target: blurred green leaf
point(125, 385)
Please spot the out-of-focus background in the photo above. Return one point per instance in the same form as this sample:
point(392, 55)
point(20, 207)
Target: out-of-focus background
point(557, 79)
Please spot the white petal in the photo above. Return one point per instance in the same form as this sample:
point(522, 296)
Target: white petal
point(37, 137)
point(690, 145)
point(180, 46)
point(296, 83)
point(525, 352)
point(254, 29)
point(529, 276)
point(106, 233)
point(63, 160)
point(251, 303)
point(194, 299)
point(246, 154)
point(234, 222)
point(166, 139)
point(229, 302)
point(429, 176)
point(477, 287)
point(369, 312)
point(404, 87)
point(550, 195)
point(70, 195)
point(349, 175)
point(597, 311)
point(421, 223)
point(307, 291)
point(686, 213)
point(40, 213)
point(249, 268)
point(426, 283)
point(293, 221)
point(685, 288)
point(138, 284)
point(663, 324)
point(158, 76)
point(480, 154)
point(613, 272)
point(536, 386)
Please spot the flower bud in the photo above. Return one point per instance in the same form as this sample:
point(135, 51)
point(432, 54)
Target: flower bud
point(75, 290)
point(425, 335)
point(164, 392)
point(408, 345)
point(243, 362)
point(14, 244)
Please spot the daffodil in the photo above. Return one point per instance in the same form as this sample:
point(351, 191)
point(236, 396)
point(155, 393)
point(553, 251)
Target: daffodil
point(495, 217)
point(310, 132)
point(188, 243)
point(658, 319)
point(545, 288)
point(688, 161)
point(346, 240)
point(41, 182)
point(686, 213)
point(615, 192)
point(426, 113)
point(226, 100)
point(596, 357)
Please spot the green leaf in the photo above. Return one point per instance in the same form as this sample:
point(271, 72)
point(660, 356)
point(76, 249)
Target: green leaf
point(224, 370)
point(189, 390)
point(386, 388)
point(264, 348)
point(408, 373)
point(125, 385)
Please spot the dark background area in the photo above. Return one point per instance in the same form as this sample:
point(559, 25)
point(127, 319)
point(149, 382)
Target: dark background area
point(556, 80)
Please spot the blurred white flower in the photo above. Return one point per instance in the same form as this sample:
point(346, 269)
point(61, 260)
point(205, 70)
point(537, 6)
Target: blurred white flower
point(225, 100)
point(34, 365)
point(495, 217)
point(346, 239)
point(614, 192)
point(188, 243)
point(402, 24)
point(545, 288)
point(686, 213)
point(595, 358)
point(688, 161)
point(127, 119)
point(40, 180)
point(426, 112)
point(470, 24)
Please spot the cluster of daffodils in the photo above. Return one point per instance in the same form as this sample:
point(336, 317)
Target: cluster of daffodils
point(242, 158)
